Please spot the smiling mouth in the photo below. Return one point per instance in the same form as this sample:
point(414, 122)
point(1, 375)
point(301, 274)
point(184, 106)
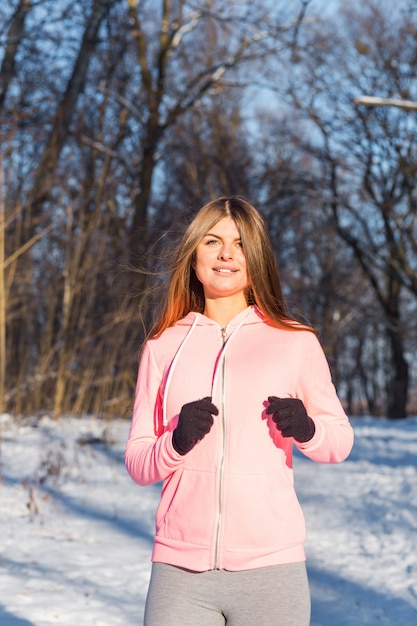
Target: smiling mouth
point(224, 271)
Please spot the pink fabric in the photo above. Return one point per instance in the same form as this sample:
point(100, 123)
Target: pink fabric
point(230, 502)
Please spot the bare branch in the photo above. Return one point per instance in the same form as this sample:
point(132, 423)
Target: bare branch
point(373, 101)
point(14, 36)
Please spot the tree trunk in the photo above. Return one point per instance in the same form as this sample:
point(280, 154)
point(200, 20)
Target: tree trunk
point(398, 385)
point(138, 232)
point(2, 296)
point(13, 38)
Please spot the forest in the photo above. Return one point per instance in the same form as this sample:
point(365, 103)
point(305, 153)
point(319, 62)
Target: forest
point(120, 118)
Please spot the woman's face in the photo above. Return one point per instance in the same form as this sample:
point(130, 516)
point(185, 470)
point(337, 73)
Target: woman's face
point(220, 264)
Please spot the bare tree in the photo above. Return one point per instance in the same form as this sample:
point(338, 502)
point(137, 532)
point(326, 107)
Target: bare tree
point(203, 45)
point(44, 174)
point(368, 156)
point(94, 101)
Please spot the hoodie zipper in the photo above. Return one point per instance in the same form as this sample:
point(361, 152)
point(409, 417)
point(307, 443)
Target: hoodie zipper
point(223, 453)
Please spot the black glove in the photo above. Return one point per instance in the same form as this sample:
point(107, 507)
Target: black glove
point(291, 418)
point(194, 422)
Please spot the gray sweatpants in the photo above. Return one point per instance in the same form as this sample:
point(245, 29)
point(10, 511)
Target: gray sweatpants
point(267, 596)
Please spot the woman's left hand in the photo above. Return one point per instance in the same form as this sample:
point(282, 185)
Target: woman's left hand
point(291, 418)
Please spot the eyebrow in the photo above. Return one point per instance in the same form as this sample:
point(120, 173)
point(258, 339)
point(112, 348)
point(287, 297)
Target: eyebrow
point(218, 236)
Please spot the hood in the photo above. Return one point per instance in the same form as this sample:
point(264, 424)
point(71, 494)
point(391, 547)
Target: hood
point(250, 315)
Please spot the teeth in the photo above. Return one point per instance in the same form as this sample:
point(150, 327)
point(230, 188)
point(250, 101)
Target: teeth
point(225, 271)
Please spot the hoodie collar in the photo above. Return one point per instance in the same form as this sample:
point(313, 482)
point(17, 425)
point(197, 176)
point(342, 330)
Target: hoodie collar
point(250, 315)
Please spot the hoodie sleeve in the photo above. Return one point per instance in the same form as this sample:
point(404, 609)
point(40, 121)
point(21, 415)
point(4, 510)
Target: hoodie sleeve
point(333, 438)
point(150, 456)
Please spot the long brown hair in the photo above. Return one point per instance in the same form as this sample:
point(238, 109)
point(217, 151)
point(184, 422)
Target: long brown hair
point(185, 292)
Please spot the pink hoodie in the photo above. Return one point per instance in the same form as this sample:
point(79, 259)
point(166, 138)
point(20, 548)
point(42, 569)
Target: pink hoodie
point(230, 502)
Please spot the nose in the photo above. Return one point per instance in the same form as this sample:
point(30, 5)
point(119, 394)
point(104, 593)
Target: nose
point(225, 252)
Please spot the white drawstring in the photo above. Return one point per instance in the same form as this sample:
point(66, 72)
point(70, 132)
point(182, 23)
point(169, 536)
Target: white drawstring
point(171, 369)
point(178, 353)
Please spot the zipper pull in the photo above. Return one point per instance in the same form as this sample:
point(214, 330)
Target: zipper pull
point(224, 336)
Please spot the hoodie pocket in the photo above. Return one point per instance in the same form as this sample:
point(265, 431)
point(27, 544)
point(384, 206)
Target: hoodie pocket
point(263, 512)
point(187, 506)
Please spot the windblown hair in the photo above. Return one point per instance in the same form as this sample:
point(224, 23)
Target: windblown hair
point(185, 292)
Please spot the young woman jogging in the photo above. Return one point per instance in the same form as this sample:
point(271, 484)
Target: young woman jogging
point(228, 383)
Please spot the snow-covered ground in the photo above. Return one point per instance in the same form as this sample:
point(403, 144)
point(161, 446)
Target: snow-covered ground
point(76, 532)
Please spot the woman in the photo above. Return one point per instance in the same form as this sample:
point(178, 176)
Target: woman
point(228, 383)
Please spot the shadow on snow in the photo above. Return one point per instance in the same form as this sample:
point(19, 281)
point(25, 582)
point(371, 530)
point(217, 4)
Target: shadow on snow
point(8, 619)
point(336, 600)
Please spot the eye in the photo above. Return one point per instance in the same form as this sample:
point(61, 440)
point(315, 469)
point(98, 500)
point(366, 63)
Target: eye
point(211, 242)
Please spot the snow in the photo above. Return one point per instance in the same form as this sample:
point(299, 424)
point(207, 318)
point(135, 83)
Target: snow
point(76, 532)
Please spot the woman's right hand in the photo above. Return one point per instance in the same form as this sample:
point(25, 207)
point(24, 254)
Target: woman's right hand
point(194, 422)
